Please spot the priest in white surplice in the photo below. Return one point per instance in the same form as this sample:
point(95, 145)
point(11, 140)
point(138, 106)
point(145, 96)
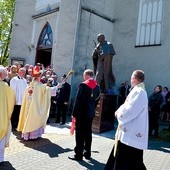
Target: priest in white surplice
point(18, 84)
point(132, 133)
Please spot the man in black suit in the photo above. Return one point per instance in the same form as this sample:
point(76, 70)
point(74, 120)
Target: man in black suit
point(84, 112)
point(63, 95)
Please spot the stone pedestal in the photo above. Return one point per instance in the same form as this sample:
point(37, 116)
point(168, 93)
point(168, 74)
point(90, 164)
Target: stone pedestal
point(104, 116)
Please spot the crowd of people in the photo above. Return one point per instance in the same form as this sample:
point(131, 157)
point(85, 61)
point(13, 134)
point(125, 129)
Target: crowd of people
point(33, 92)
point(19, 78)
point(32, 87)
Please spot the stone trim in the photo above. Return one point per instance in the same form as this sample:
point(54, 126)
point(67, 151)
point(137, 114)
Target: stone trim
point(45, 13)
point(99, 15)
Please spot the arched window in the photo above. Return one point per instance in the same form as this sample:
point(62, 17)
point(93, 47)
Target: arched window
point(46, 37)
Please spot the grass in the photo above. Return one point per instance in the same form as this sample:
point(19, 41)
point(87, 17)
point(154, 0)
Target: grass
point(165, 135)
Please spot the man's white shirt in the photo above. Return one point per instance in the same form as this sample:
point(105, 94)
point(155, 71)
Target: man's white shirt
point(18, 85)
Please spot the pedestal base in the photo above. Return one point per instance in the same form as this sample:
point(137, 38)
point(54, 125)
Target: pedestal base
point(104, 116)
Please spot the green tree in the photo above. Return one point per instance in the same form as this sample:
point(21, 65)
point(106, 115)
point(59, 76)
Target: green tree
point(7, 8)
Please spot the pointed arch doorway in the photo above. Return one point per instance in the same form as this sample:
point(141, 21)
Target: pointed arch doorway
point(44, 47)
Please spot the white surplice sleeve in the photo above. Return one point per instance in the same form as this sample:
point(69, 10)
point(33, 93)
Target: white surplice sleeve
point(133, 106)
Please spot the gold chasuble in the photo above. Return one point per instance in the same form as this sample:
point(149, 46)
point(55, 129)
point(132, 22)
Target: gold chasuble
point(35, 108)
point(7, 101)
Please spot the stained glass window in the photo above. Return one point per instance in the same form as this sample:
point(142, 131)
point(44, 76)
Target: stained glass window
point(46, 37)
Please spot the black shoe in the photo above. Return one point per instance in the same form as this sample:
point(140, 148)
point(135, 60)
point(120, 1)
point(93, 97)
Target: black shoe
point(1, 163)
point(62, 123)
point(57, 121)
point(87, 156)
point(74, 158)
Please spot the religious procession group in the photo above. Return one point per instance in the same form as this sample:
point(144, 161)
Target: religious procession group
point(28, 94)
point(30, 111)
point(36, 104)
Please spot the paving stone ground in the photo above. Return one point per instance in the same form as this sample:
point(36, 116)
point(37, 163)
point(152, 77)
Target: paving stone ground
point(52, 150)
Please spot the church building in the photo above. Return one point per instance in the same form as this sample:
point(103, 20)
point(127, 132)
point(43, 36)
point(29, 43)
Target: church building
point(63, 34)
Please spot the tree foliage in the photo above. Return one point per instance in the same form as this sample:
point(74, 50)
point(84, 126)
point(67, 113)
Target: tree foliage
point(6, 19)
